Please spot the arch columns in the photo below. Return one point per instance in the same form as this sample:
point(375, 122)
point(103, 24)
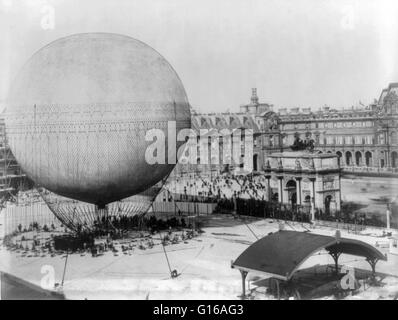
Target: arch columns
point(268, 195)
point(298, 190)
point(280, 189)
point(312, 198)
point(243, 274)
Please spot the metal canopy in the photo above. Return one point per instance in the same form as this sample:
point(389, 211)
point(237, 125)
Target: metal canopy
point(280, 254)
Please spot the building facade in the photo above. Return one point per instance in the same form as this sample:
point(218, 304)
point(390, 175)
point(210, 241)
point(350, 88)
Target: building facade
point(364, 138)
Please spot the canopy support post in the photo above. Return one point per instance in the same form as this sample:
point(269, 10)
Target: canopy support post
point(372, 263)
point(335, 256)
point(243, 274)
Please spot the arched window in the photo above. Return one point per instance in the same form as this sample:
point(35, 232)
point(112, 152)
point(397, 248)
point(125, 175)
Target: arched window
point(348, 158)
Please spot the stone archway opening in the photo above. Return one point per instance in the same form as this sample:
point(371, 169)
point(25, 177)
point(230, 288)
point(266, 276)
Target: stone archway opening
point(358, 158)
point(328, 200)
point(368, 158)
point(394, 159)
point(255, 162)
point(291, 188)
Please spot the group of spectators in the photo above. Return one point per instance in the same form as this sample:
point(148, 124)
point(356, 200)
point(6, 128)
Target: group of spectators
point(117, 226)
point(217, 188)
point(170, 230)
point(246, 195)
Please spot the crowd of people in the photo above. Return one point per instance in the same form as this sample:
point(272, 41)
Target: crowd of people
point(217, 188)
point(246, 195)
point(135, 232)
point(264, 209)
point(116, 226)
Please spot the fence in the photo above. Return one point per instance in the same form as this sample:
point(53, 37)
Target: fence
point(266, 209)
point(183, 207)
point(349, 226)
point(27, 215)
point(39, 212)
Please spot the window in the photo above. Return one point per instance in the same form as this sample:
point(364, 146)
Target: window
point(381, 138)
point(348, 140)
point(358, 140)
point(369, 140)
point(394, 138)
point(339, 140)
point(330, 140)
point(285, 140)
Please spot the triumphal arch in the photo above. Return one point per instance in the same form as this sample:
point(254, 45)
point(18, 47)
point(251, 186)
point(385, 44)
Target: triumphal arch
point(304, 179)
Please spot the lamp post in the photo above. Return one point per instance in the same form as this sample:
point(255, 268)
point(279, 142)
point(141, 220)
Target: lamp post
point(388, 212)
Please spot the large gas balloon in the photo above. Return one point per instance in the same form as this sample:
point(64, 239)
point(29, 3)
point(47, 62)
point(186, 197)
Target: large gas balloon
point(80, 108)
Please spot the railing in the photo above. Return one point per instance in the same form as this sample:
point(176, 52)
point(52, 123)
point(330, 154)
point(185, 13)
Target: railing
point(265, 209)
point(190, 208)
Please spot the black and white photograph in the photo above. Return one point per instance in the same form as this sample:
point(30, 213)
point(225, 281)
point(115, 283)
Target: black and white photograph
point(199, 150)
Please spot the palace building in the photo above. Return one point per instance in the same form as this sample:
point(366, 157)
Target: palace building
point(364, 138)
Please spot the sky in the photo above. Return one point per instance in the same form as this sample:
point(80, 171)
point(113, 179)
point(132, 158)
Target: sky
point(307, 53)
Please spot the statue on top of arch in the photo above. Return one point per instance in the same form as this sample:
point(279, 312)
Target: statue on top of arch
point(308, 144)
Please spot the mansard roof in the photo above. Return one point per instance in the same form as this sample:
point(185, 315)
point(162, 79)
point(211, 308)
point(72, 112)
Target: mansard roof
point(229, 121)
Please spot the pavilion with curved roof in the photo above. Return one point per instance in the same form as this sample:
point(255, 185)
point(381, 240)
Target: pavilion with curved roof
point(280, 254)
